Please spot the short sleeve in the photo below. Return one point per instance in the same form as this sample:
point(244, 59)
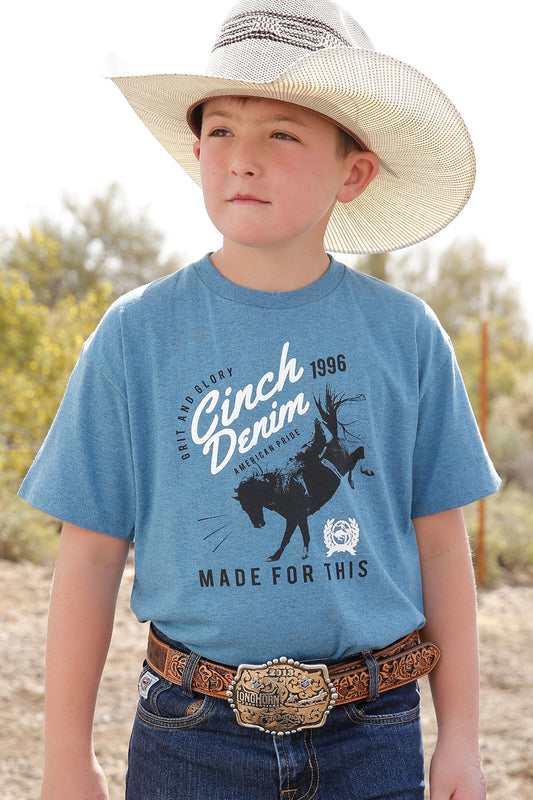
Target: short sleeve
point(451, 466)
point(83, 473)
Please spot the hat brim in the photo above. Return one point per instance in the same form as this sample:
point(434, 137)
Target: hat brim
point(427, 163)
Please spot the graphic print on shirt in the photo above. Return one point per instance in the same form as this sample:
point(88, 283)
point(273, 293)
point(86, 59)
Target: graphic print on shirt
point(298, 485)
point(309, 479)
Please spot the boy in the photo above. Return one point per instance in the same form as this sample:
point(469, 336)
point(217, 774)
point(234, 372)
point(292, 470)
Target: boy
point(267, 376)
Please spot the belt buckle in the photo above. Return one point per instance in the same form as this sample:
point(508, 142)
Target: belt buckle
point(282, 696)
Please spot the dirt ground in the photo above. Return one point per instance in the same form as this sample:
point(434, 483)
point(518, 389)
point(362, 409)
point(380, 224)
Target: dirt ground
point(506, 634)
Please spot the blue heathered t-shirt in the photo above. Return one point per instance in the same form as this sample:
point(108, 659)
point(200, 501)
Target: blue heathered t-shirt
point(266, 452)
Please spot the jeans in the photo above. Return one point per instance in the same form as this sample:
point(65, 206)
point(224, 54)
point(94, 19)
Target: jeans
point(188, 746)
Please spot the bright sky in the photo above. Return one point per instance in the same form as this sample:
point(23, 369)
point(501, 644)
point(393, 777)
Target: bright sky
point(67, 129)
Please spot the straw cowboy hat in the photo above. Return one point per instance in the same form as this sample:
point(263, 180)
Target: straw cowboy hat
point(314, 54)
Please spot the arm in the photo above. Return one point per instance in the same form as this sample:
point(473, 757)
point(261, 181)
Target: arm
point(87, 578)
point(450, 609)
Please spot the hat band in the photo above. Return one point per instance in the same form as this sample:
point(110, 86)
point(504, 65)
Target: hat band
point(309, 34)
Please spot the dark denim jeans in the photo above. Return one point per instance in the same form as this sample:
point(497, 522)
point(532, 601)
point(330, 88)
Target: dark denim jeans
point(186, 746)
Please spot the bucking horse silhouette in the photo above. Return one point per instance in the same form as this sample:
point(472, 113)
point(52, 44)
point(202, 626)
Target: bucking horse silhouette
point(310, 478)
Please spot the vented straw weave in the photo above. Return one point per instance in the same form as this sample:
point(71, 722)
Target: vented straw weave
point(314, 54)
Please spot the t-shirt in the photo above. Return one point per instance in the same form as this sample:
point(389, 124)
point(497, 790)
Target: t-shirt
point(266, 452)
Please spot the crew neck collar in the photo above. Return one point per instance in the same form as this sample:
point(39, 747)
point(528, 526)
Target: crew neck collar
point(326, 284)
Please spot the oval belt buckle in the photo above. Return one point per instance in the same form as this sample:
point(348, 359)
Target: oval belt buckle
point(282, 696)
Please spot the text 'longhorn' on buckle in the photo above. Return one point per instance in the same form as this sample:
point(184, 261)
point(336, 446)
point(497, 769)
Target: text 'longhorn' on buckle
point(282, 696)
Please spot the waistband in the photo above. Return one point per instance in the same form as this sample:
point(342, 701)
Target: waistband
point(362, 676)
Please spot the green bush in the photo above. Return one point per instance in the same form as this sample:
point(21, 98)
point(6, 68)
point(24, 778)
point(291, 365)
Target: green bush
point(508, 532)
point(25, 534)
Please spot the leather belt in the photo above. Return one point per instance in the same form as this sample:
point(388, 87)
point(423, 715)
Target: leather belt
point(354, 679)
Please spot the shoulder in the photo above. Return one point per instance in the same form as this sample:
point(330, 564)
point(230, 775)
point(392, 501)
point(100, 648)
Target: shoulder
point(150, 304)
point(389, 306)
point(154, 296)
point(401, 325)
point(140, 320)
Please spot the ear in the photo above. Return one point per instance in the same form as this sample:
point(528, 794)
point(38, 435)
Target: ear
point(196, 149)
point(363, 168)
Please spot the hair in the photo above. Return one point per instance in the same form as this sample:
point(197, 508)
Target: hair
point(346, 143)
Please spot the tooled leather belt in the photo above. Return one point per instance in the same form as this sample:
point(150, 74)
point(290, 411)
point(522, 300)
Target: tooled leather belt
point(302, 694)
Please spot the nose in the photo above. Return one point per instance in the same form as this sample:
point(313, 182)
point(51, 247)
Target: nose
point(245, 159)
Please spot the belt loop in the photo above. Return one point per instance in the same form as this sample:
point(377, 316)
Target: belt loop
point(373, 672)
point(188, 673)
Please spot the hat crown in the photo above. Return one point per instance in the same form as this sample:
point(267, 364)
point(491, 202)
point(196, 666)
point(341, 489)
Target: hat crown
point(258, 41)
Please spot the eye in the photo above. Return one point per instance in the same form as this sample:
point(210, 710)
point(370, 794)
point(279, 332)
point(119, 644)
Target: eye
point(284, 136)
point(218, 132)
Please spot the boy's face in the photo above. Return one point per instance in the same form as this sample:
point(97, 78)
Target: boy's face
point(271, 171)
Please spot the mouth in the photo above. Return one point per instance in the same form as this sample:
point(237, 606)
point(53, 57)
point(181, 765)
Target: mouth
point(247, 199)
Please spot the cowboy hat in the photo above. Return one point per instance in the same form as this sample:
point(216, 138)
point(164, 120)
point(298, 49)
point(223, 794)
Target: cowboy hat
point(314, 54)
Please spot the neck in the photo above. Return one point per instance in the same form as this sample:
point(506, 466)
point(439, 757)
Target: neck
point(271, 270)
